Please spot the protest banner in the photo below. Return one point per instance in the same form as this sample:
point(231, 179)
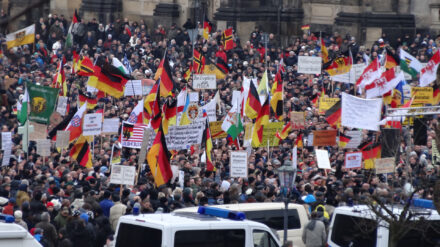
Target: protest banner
point(92, 124)
point(204, 81)
point(238, 164)
point(133, 87)
point(360, 113)
point(122, 174)
point(384, 165)
point(62, 105)
point(322, 158)
point(144, 147)
point(6, 140)
point(43, 147)
point(326, 103)
point(110, 126)
point(324, 138)
point(422, 95)
point(62, 139)
point(183, 137)
point(42, 102)
point(39, 131)
point(309, 65)
point(269, 134)
point(297, 120)
point(353, 160)
point(6, 156)
point(216, 130)
point(356, 138)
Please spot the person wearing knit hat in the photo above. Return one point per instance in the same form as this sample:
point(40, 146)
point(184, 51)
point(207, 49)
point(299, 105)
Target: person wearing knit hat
point(19, 219)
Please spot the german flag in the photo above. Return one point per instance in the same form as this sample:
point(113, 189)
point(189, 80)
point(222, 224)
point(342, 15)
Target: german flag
point(150, 101)
point(158, 158)
point(299, 141)
point(277, 96)
point(91, 101)
point(285, 132)
point(213, 69)
point(85, 67)
point(324, 52)
point(262, 120)
point(169, 113)
point(370, 154)
point(436, 94)
point(343, 140)
point(207, 27)
point(227, 39)
point(253, 104)
point(108, 79)
point(75, 62)
point(156, 113)
point(315, 99)
point(59, 80)
point(364, 145)
point(391, 59)
point(62, 125)
point(333, 115)
point(199, 62)
point(222, 65)
point(81, 152)
point(207, 144)
point(340, 65)
point(166, 78)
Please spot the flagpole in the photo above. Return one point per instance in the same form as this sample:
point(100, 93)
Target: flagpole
point(27, 119)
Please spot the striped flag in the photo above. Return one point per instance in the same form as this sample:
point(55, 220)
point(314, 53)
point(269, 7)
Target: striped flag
point(132, 135)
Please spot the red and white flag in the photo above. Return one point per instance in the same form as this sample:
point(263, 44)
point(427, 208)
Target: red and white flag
point(371, 73)
point(395, 119)
point(75, 125)
point(181, 100)
point(132, 134)
point(136, 113)
point(387, 81)
point(429, 73)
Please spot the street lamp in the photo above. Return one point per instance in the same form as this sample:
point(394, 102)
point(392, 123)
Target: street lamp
point(286, 174)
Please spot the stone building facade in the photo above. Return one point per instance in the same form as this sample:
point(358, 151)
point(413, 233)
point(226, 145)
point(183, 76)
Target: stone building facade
point(364, 19)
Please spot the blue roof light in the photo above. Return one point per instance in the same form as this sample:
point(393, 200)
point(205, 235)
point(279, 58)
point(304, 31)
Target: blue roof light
point(423, 203)
point(222, 213)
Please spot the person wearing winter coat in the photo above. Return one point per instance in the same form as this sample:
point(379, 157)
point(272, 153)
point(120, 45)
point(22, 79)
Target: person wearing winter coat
point(314, 234)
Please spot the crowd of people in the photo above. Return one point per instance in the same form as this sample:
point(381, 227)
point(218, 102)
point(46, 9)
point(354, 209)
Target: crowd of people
point(64, 204)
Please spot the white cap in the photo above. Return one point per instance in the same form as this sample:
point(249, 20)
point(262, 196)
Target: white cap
point(380, 40)
point(18, 214)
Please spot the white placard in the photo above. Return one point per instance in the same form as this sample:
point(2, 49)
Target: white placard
point(183, 137)
point(322, 158)
point(6, 140)
point(143, 152)
point(123, 174)
point(62, 105)
point(110, 126)
point(309, 140)
point(360, 113)
point(358, 70)
point(204, 82)
point(91, 89)
point(43, 147)
point(356, 138)
point(133, 87)
point(238, 165)
point(210, 109)
point(309, 65)
point(181, 178)
point(62, 139)
point(295, 157)
point(92, 124)
point(353, 160)
point(6, 156)
point(193, 97)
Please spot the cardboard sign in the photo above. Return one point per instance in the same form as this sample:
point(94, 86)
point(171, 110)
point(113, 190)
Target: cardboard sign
point(239, 164)
point(43, 147)
point(322, 158)
point(62, 139)
point(62, 105)
point(110, 126)
point(384, 165)
point(326, 103)
point(216, 130)
point(133, 87)
point(92, 124)
point(353, 160)
point(297, 120)
point(39, 131)
point(422, 95)
point(309, 65)
point(123, 175)
point(204, 81)
point(324, 138)
point(269, 133)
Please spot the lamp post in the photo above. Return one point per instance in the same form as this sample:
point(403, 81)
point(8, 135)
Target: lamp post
point(286, 174)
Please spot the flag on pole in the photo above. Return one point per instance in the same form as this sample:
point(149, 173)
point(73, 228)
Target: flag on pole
point(277, 96)
point(75, 124)
point(42, 102)
point(370, 154)
point(91, 101)
point(262, 120)
point(338, 66)
point(199, 62)
point(81, 152)
point(232, 123)
point(333, 115)
point(284, 132)
point(391, 59)
point(324, 52)
point(21, 37)
point(409, 64)
point(69, 38)
point(23, 110)
point(429, 73)
point(253, 105)
point(370, 73)
point(343, 140)
point(118, 64)
point(158, 158)
point(207, 144)
point(127, 64)
point(169, 113)
point(207, 27)
point(136, 115)
point(384, 84)
point(227, 39)
point(166, 78)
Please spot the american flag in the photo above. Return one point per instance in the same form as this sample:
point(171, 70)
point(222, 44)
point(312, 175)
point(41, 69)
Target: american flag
point(132, 134)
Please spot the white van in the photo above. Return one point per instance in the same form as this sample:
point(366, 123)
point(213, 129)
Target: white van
point(13, 235)
point(359, 226)
point(188, 229)
point(272, 215)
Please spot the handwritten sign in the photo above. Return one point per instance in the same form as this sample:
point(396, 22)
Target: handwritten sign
point(353, 160)
point(326, 103)
point(239, 164)
point(133, 87)
point(110, 126)
point(322, 158)
point(123, 174)
point(297, 120)
point(309, 65)
point(92, 124)
point(324, 138)
point(422, 95)
point(39, 131)
point(269, 134)
point(62, 105)
point(216, 130)
point(204, 82)
point(43, 147)
point(384, 165)
point(62, 139)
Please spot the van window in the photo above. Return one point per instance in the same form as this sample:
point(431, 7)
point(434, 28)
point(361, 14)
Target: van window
point(428, 237)
point(263, 239)
point(210, 238)
point(275, 218)
point(137, 236)
point(354, 231)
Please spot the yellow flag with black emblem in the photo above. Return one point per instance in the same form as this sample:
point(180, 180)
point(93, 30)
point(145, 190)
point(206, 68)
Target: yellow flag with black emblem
point(21, 37)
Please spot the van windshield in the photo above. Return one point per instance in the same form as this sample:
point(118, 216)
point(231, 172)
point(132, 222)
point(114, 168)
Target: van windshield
point(210, 238)
point(137, 236)
point(275, 218)
point(354, 231)
point(429, 236)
